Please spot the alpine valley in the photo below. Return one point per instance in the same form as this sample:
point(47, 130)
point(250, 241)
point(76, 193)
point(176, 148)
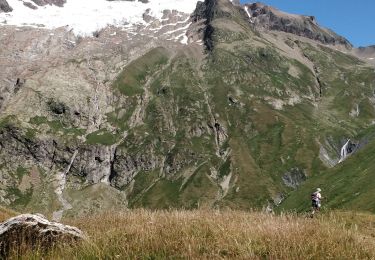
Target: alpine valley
point(107, 105)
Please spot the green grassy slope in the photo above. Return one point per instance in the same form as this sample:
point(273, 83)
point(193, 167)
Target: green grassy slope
point(235, 86)
point(350, 185)
point(222, 128)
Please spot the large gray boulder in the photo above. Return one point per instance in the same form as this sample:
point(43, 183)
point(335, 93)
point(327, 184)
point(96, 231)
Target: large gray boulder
point(34, 231)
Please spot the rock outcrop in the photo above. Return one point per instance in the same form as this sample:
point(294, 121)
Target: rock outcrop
point(204, 14)
point(5, 7)
point(272, 19)
point(294, 178)
point(59, 3)
point(31, 231)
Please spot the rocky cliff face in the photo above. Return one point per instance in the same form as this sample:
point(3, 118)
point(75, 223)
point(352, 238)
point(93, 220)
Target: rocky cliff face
point(4, 6)
point(201, 110)
point(270, 18)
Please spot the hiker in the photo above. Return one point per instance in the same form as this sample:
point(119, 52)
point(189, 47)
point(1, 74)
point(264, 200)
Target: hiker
point(316, 198)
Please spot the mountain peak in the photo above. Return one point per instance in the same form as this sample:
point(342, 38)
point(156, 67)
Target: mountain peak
point(270, 18)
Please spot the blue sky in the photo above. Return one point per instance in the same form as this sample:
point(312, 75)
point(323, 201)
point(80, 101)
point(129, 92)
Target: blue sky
point(353, 19)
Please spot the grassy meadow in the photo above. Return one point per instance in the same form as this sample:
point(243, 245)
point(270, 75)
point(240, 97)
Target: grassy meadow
point(144, 234)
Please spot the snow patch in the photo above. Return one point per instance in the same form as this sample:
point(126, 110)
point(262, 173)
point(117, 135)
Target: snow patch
point(248, 13)
point(184, 39)
point(85, 17)
point(169, 24)
point(179, 29)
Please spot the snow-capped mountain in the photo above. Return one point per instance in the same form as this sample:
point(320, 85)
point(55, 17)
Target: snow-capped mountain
point(85, 17)
point(170, 103)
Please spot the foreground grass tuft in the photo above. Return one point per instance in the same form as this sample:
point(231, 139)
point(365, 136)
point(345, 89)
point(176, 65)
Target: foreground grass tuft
point(144, 234)
point(6, 214)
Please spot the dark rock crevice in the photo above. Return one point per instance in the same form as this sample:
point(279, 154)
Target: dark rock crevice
point(205, 12)
point(18, 85)
point(113, 172)
point(316, 72)
point(319, 82)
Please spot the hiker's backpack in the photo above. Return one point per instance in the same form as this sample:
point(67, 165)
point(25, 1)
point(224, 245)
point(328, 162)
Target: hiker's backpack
point(313, 196)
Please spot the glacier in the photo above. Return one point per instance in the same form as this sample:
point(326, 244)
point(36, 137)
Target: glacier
point(84, 17)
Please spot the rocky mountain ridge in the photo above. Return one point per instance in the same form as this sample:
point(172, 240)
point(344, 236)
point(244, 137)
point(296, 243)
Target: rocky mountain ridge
point(366, 53)
point(269, 18)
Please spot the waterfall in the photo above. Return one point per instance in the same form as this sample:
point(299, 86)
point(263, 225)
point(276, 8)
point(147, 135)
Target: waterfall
point(249, 14)
point(344, 151)
point(61, 178)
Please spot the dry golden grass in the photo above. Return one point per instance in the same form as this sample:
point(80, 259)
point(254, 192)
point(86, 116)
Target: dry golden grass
point(143, 234)
point(6, 214)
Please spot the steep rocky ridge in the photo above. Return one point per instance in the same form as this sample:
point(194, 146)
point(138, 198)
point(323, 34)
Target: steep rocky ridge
point(267, 17)
point(144, 119)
